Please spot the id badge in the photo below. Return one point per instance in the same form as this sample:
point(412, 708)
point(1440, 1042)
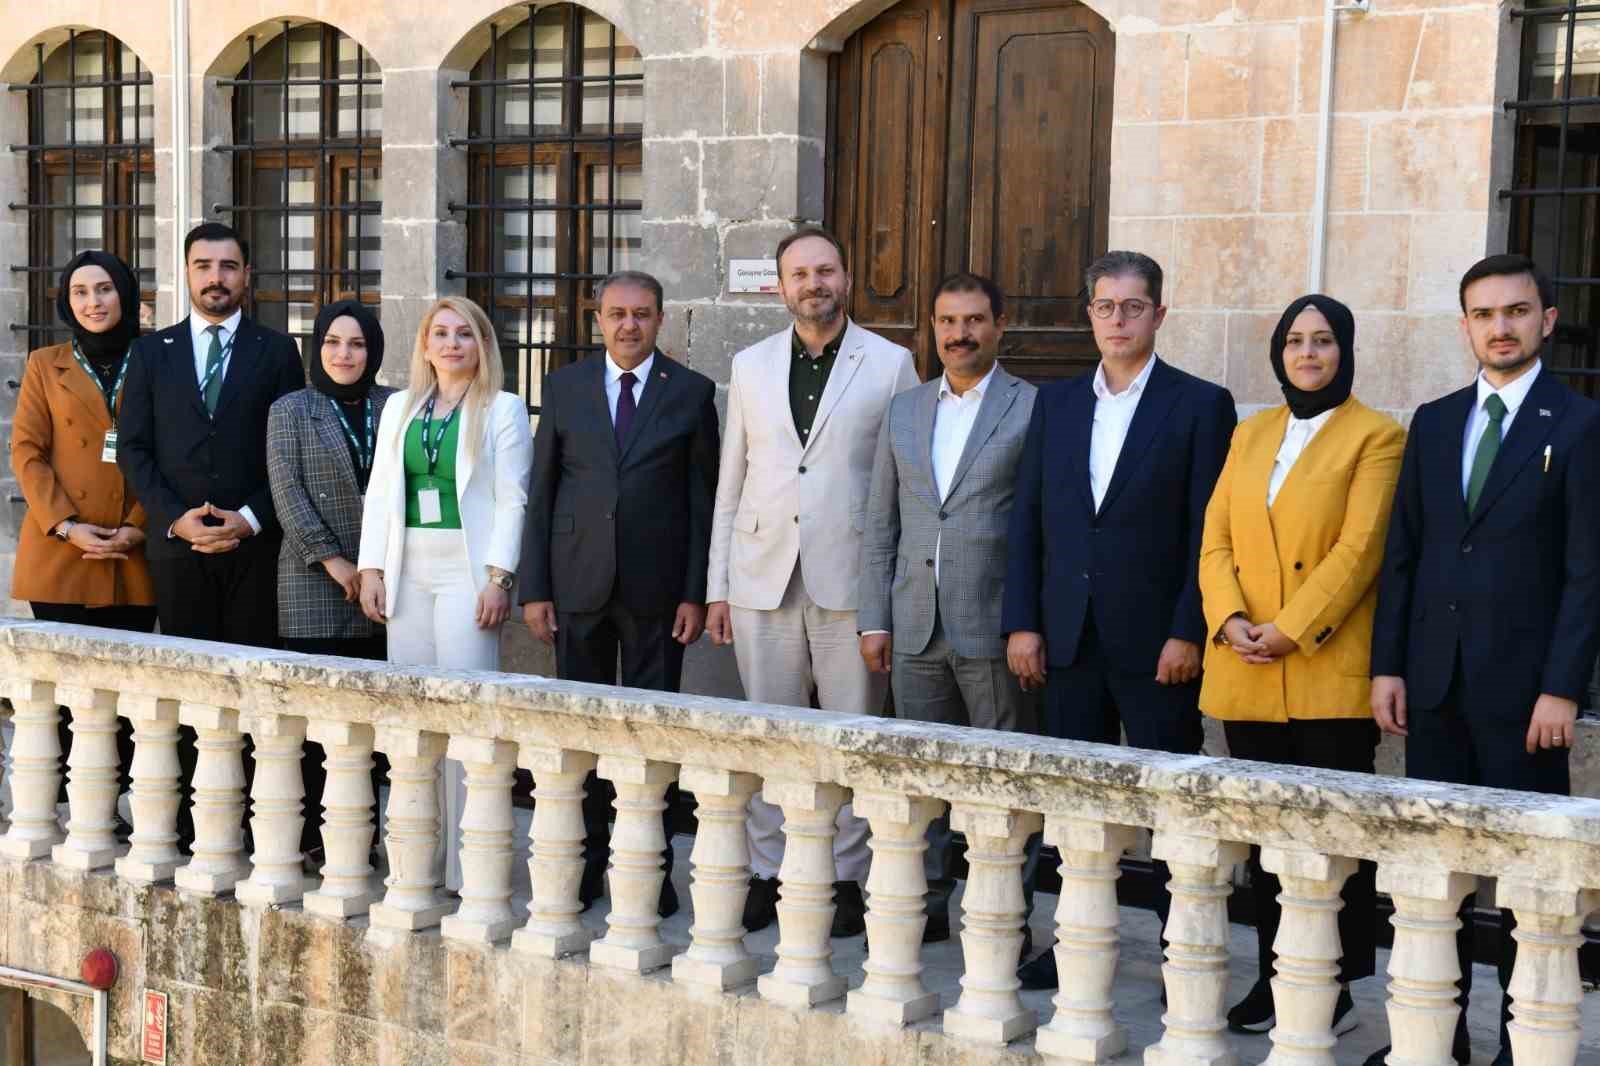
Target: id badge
point(428, 506)
point(108, 450)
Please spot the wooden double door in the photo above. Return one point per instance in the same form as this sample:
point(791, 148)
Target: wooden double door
point(975, 135)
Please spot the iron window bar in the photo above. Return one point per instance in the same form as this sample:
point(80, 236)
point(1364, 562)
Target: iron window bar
point(541, 205)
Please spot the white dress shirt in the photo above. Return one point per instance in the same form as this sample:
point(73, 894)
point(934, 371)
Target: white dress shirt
point(1113, 414)
point(1296, 435)
point(1512, 396)
point(201, 339)
point(953, 419)
point(614, 382)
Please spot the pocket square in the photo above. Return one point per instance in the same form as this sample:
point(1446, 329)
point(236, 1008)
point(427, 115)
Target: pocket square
point(1544, 412)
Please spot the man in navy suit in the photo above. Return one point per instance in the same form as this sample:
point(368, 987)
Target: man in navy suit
point(1102, 595)
point(1488, 613)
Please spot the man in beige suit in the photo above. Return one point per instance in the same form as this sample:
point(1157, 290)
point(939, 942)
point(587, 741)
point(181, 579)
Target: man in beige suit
point(804, 409)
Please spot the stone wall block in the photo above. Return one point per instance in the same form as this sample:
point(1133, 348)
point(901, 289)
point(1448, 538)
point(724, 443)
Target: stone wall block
point(753, 179)
point(1368, 258)
point(1150, 77)
point(683, 257)
point(1455, 61)
point(676, 91)
point(1442, 247)
point(791, 102)
point(718, 331)
point(1210, 168)
point(1435, 163)
point(1249, 375)
point(1236, 71)
point(741, 95)
point(672, 190)
point(1251, 262)
point(1372, 69)
point(1289, 164)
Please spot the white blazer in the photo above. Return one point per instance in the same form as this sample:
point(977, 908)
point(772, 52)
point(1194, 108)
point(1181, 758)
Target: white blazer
point(769, 514)
point(491, 492)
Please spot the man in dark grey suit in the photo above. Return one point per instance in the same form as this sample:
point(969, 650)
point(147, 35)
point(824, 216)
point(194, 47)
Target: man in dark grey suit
point(933, 557)
point(618, 526)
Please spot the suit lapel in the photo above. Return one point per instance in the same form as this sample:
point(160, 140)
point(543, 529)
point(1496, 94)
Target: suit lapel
point(923, 415)
point(845, 365)
point(599, 406)
point(244, 363)
point(774, 386)
point(1148, 419)
point(1001, 394)
point(330, 433)
point(661, 374)
point(76, 382)
point(180, 346)
point(1536, 420)
point(1080, 431)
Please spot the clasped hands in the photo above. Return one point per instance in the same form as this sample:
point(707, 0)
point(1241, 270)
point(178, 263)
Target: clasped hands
point(104, 542)
point(1256, 643)
point(212, 539)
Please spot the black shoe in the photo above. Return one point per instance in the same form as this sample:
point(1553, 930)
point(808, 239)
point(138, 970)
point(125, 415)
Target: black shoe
point(1344, 1013)
point(1040, 971)
point(849, 909)
point(668, 904)
point(761, 904)
point(937, 931)
point(593, 885)
point(1254, 1013)
point(1460, 1050)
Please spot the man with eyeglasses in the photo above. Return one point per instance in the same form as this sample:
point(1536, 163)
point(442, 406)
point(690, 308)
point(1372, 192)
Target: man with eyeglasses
point(1102, 599)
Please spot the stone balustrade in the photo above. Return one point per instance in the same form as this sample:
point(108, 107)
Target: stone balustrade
point(1431, 841)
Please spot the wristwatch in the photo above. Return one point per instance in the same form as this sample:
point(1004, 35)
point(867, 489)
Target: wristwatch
point(64, 528)
point(501, 579)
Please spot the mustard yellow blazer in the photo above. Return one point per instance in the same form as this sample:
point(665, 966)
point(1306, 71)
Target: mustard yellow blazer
point(1309, 565)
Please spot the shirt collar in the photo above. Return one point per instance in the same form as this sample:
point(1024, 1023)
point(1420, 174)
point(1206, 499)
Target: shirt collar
point(1102, 389)
point(831, 349)
point(1312, 424)
point(1513, 394)
point(979, 389)
point(198, 327)
point(614, 372)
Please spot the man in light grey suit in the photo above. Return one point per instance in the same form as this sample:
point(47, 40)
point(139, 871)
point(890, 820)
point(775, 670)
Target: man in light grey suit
point(933, 557)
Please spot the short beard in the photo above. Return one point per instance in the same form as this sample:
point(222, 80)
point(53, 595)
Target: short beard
point(1523, 359)
point(817, 318)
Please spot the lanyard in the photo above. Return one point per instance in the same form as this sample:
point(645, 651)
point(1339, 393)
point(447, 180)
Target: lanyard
point(216, 368)
point(364, 445)
point(115, 392)
point(431, 448)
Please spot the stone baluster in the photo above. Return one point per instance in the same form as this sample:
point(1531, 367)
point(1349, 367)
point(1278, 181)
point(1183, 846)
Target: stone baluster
point(486, 825)
point(555, 863)
point(1546, 990)
point(633, 938)
point(411, 833)
point(93, 769)
point(1305, 987)
point(991, 924)
point(218, 804)
point(35, 772)
point(893, 990)
point(277, 796)
point(153, 849)
point(1422, 963)
point(347, 826)
point(721, 879)
point(1196, 969)
point(1083, 1029)
point(804, 974)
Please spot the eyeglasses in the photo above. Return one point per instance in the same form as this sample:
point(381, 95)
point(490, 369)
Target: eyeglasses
point(1130, 308)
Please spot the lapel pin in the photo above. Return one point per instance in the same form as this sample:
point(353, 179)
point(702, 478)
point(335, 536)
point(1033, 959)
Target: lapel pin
point(166, 340)
point(1544, 412)
point(663, 375)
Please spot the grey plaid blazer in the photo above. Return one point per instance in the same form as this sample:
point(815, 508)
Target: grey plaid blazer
point(318, 500)
point(905, 517)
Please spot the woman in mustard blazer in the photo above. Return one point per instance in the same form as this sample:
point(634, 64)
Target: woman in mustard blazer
point(1288, 568)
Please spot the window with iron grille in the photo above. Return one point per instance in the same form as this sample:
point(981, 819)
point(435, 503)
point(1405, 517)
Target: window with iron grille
point(91, 171)
point(308, 173)
point(554, 188)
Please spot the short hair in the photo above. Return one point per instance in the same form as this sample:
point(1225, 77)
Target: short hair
point(965, 281)
point(1509, 265)
point(1122, 264)
point(216, 231)
point(801, 233)
point(631, 277)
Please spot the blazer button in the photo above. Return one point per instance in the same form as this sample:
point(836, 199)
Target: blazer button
point(1451, 606)
point(943, 516)
point(928, 561)
point(1086, 575)
point(797, 519)
point(802, 470)
point(1466, 549)
point(1297, 565)
point(608, 516)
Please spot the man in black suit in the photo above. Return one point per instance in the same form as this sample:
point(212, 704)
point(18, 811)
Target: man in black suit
point(619, 518)
point(1102, 595)
point(1488, 614)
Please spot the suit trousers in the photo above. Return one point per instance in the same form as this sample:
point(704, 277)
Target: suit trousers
point(433, 625)
point(588, 644)
point(1461, 744)
point(782, 653)
point(1328, 744)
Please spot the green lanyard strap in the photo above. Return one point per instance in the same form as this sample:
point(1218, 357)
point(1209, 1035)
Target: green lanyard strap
point(431, 448)
point(112, 394)
point(364, 446)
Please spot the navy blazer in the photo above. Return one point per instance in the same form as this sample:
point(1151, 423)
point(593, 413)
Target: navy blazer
point(1511, 593)
point(1136, 560)
point(628, 522)
point(178, 457)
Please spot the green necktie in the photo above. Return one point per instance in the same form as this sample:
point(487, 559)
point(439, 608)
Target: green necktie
point(214, 375)
point(1488, 448)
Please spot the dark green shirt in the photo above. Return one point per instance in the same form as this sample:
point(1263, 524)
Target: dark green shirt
point(443, 478)
point(807, 378)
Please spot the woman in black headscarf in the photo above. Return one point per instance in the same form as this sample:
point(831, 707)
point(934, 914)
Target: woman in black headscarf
point(319, 455)
point(1288, 578)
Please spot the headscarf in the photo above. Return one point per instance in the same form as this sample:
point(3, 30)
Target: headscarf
point(113, 344)
point(1304, 404)
point(356, 390)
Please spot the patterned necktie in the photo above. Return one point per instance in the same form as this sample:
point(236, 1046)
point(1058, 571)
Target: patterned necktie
point(625, 405)
point(213, 373)
point(1488, 448)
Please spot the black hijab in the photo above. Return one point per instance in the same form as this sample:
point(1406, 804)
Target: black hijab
point(358, 389)
point(1304, 404)
point(112, 345)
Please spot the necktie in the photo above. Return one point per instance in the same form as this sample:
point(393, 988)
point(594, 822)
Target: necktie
point(1488, 448)
point(214, 375)
point(625, 405)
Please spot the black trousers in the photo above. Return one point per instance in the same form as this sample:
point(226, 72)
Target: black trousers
point(1327, 744)
point(313, 770)
point(1460, 743)
point(588, 645)
point(128, 618)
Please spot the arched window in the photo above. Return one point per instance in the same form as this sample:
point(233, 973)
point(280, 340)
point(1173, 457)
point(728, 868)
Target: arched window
point(555, 180)
point(308, 174)
point(91, 169)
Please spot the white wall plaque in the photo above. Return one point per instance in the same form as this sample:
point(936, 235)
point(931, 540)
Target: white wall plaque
point(753, 275)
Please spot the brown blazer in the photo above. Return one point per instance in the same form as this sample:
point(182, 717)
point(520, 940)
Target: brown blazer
point(56, 439)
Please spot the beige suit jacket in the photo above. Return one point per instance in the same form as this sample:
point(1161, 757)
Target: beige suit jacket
point(779, 501)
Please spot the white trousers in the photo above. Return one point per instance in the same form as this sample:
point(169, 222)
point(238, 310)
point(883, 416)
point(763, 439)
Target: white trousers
point(782, 653)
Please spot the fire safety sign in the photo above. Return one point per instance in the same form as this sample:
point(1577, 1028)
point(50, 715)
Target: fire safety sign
point(153, 1034)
